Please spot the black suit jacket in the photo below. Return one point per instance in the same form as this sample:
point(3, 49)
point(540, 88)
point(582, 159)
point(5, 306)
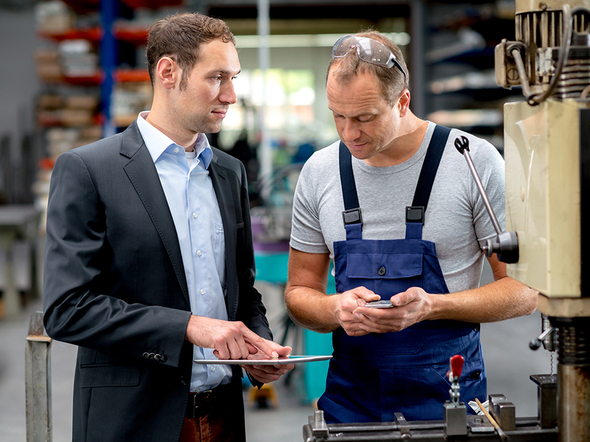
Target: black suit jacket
point(114, 284)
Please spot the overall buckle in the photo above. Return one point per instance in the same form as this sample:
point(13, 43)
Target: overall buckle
point(352, 216)
point(415, 214)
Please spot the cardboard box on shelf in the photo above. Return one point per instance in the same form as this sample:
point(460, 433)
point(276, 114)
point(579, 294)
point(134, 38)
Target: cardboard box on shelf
point(50, 101)
point(87, 102)
point(77, 117)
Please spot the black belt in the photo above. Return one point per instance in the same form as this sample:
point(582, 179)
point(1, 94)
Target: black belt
point(200, 404)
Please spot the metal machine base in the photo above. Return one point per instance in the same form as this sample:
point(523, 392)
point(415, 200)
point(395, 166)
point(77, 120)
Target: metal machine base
point(479, 429)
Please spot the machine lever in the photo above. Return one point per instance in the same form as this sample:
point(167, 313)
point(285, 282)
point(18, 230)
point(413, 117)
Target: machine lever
point(506, 243)
point(456, 366)
point(455, 412)
point(536, 343)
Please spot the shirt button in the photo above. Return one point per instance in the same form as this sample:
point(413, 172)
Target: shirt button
point(381, 271)
point(176, 150)
point(202, 291)
point(212, 368)
point(195, 215)
point(199, 253)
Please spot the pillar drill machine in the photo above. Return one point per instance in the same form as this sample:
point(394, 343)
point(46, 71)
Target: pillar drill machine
point(547, 153)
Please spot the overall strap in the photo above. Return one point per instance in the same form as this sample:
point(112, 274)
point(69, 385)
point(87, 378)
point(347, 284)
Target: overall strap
point(415, 212)
point(352, 212)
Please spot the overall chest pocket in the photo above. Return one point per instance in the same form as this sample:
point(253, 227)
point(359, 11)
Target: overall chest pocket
point(384, 265)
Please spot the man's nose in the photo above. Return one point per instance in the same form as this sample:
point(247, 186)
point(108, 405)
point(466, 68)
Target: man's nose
point(350, 130)
point(228, 93)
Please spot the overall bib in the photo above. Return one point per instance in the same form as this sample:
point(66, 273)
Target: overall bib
point(374, 376)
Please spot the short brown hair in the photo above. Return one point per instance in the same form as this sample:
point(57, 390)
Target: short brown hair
point(391, 79)
point(179, 37)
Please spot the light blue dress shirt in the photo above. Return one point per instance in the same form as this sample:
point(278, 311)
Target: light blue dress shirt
point(195, 211)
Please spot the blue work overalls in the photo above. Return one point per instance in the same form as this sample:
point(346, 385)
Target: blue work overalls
point(374, 376)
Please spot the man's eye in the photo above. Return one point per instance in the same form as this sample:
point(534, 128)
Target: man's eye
point(365, 119)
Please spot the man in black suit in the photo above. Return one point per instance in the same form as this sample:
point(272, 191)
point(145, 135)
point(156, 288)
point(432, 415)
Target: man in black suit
point(149, 261)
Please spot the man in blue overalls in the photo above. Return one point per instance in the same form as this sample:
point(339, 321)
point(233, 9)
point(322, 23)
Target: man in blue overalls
point(394, 205)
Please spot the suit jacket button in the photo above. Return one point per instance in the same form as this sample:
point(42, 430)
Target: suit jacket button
point(146, 355)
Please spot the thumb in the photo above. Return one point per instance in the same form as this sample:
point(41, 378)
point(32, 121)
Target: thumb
point(405, 298)
point(401, 299)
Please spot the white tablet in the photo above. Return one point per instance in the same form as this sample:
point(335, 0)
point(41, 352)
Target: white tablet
point(293, 359)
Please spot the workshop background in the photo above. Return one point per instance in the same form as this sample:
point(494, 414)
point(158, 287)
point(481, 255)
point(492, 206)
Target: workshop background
point(74, 71)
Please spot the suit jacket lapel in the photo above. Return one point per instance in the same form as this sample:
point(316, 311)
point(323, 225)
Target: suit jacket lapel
point(143, 176)
point(227, 207)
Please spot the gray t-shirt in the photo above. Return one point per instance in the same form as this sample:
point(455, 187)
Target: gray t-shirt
point(456, 219)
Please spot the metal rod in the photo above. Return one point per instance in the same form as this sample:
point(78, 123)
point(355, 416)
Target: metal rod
point(482, 191)
point(38, 382)
point(492, 421)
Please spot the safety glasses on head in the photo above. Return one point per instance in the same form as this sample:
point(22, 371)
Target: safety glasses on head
point(368, 50)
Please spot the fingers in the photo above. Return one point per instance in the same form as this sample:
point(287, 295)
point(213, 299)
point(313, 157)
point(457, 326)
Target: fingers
point(369, 325)
point(283, 352)
point(359, 330)
point(229, 342)
point(365, 295)
point(268, 373)
point(230, 339)
point(409, 308)
point(347, 303)
point(269, 348)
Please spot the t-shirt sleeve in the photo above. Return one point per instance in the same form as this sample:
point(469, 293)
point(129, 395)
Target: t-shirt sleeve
point(306, 231)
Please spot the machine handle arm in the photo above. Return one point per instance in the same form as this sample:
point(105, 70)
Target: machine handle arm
point(536, 343)
point(506, 243)
point(462, 145)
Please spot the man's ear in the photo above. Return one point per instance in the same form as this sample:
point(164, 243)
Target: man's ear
point(168, 73)
point(404, 102)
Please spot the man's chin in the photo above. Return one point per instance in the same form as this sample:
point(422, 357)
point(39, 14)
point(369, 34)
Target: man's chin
point(213, 129)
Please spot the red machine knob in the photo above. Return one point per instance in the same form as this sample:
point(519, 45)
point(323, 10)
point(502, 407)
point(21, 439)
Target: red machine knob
point(457, 365)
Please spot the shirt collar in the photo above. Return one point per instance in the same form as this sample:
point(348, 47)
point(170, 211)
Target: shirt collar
point(156, 142)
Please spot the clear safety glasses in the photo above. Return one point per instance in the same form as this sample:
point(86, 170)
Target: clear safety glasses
point(368, 50)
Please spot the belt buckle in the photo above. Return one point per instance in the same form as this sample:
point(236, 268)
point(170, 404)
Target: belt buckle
point(195, 399)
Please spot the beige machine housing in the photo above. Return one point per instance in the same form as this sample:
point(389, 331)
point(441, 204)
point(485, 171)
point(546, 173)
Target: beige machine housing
point(542, 152)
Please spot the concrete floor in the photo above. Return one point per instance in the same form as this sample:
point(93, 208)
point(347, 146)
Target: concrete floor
point(509, 363)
